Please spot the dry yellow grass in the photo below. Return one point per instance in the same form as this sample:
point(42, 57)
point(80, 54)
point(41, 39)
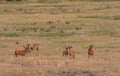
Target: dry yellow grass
point(83, 22)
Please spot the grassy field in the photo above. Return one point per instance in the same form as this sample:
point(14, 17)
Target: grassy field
point(55, 25)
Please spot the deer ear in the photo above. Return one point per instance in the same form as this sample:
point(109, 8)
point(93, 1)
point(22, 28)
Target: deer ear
point(91, 45)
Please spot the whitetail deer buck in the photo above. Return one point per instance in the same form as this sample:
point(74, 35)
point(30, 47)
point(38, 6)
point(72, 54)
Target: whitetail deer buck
point(69, 52)
point(34, 47)
point(90, 51)
point(22, 52)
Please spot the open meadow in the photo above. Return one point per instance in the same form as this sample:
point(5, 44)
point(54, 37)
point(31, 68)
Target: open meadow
point(54, 26)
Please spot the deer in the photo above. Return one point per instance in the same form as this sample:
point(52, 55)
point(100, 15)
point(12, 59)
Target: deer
point(34, 47)
point(22, 52)
point(90, 51)
point(65, 52)
point(69, 52)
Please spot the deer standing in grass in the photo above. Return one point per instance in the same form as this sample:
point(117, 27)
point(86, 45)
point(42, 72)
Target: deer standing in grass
point(90, 51)
point(22, 52)
point(34, 47)
point(69, 52)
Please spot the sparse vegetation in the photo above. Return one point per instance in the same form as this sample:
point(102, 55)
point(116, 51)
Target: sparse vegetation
point(55, 24)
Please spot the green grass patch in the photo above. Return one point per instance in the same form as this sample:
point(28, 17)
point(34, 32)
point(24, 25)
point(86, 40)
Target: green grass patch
point(98, 17)
point(102, 17)
point(3, 46)
point(49, 1)
point(73, 41)
point(89, 73)
point(94, 0)
point(35, 35)
point(9, 34)
point(104, 33)
point(52, 1)
point(54, 34)
point(99, 33)
point(107, 46)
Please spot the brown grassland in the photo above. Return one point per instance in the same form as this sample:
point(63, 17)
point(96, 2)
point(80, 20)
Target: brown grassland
point(55, 25)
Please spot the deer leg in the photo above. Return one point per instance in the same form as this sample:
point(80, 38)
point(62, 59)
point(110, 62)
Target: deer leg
point(65, 55)
point(62, 55)
point(23, 55)
point(88, 56)
point(16, 55)
point(37, 49)
point(73, 56)
point(70, 56)
point(93, 56)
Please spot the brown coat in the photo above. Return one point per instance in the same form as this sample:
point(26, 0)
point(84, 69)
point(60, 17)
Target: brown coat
point(69, 52)
point(21, 52)
point(90, 52)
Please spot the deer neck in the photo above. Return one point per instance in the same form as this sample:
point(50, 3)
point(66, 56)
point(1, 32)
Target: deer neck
point(67, 50)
